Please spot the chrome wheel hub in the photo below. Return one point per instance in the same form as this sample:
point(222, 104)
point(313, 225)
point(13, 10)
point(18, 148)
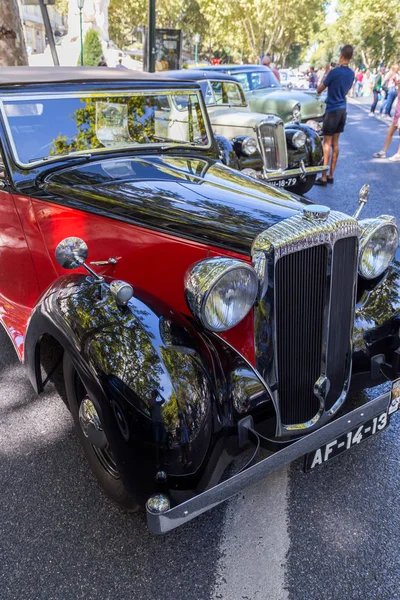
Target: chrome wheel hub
point(88, 416)
point(91, 426)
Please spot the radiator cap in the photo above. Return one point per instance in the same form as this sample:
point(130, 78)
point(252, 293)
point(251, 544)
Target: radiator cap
point(316, 212)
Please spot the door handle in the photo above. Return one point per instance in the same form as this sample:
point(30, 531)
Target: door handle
point(102, 263)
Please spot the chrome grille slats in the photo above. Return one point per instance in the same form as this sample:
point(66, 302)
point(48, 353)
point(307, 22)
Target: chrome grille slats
point(305, 316)
point(297, 233)
point(272, 143)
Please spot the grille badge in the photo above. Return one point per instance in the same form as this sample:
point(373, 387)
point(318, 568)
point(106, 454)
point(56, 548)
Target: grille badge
point(316, 212)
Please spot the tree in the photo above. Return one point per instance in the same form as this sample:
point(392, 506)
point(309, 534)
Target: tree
point(12, 43)
point(92, 49)
point(371, 26)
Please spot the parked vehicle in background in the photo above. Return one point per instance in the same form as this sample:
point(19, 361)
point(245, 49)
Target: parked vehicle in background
point(288, 156)
point(292, 79)
point(265, 95)
point(198, 314)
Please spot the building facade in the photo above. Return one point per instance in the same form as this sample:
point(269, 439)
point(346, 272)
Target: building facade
point(33, 27)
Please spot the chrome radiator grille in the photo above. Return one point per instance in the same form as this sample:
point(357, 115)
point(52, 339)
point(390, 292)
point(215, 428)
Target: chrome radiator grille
point(304, 319)
point(299, 327)
point(272, 143)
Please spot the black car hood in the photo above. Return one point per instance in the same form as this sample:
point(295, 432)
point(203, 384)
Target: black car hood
point(195, 198)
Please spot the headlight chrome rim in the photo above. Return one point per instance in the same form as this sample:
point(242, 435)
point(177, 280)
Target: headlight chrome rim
point(249, 146)
point(299, 139)
point(203, 279)
point(296, 111)
point(369, 229)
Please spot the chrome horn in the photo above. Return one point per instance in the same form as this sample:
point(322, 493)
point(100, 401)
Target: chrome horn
point(363, 196)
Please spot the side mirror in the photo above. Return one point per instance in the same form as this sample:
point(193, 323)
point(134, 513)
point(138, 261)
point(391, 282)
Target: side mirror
point(363, 196)
point(71, 253)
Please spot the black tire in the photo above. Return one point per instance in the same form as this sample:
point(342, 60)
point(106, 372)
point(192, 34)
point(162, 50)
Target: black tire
point(101, 461)
point(304, 186)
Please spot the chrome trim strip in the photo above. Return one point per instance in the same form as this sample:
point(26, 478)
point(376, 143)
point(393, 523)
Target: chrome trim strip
point(292, 235)
point(166, 521)
point(291, 172)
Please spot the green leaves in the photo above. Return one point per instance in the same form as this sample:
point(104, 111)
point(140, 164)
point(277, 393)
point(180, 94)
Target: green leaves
point(244, 28)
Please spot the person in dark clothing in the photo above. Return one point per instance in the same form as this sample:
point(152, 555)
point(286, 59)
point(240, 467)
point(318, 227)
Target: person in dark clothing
point(102, 61)
point(312, 79)
point(339, 82)
point(376, 90)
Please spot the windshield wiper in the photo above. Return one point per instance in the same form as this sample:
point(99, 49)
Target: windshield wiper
point(65, 155)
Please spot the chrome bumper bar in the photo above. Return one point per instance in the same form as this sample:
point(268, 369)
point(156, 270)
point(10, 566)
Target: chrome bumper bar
point(164, 522)
point(302, 171)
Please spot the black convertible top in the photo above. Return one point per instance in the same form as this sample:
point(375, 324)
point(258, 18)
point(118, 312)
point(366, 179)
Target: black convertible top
point(32, 75)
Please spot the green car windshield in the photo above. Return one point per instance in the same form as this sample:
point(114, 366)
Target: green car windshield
point(256, 80)
point(44, 128)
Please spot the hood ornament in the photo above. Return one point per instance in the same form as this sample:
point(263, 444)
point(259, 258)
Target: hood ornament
point(316, 212)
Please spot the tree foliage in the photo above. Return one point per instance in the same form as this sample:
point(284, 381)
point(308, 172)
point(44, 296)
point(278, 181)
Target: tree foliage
point(372, 26)
point(92, 49)
point(243, 28)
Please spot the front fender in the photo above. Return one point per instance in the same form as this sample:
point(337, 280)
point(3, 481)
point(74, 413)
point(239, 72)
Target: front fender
point(312, 154)
point(227, 152)
point(122, 355)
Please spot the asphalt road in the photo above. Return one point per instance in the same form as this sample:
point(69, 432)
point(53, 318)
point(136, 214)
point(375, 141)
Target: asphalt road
point(333, 534)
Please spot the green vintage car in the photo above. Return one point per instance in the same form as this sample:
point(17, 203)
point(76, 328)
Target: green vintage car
point(265, 95)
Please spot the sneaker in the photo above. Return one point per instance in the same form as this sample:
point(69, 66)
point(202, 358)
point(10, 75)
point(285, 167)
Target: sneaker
point(395, 158)
point(380, 154)
point(371, 114)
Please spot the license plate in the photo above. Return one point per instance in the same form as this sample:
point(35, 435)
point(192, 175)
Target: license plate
point(346, 441)
point(284, 183)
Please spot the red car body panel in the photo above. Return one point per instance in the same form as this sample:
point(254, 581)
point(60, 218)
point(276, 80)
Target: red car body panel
point(35, 229)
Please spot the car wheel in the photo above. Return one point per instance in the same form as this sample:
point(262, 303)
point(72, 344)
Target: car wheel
point(303, 187)
point(92, 437)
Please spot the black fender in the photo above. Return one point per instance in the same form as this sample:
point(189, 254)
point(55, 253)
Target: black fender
point(312, 154)
point(123, 354)
point(377, 324)
point(227, 152)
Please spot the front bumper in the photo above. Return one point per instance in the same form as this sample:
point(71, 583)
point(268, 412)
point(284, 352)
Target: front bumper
point(176, 516)
point(301, 171)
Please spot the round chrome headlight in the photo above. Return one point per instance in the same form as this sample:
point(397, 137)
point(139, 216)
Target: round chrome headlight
point(249, 146)
point(378, 245)
point(296, 112)
point(299, 139)
point(221, 291)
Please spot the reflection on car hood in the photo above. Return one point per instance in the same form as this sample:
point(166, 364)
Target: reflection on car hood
point(281, 102)
point(195, 198)
point(234, 117)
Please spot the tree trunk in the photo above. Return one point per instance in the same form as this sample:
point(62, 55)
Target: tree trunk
point(12, 43)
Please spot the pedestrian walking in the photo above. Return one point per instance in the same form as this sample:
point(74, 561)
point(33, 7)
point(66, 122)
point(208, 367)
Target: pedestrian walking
point(395, 125)
point(339, 82)
point(359, 77)
point(391, 87)
point(376, 90)
point(266, 61)
point(367, 84)
point(312, 79)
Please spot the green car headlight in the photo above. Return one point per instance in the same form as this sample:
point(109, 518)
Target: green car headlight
point(378, 245)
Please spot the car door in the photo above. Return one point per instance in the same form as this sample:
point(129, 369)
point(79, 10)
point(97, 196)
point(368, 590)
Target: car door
point(18, 283)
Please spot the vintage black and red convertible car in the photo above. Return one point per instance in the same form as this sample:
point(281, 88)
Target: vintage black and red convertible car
point(207, 313)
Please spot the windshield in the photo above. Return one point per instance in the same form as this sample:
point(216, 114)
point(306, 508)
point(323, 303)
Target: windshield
point(225, 92)
point(255, 80)
point(43, 128)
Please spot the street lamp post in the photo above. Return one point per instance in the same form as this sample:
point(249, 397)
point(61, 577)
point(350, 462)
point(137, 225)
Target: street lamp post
point(80, 4)
point(196, 40)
